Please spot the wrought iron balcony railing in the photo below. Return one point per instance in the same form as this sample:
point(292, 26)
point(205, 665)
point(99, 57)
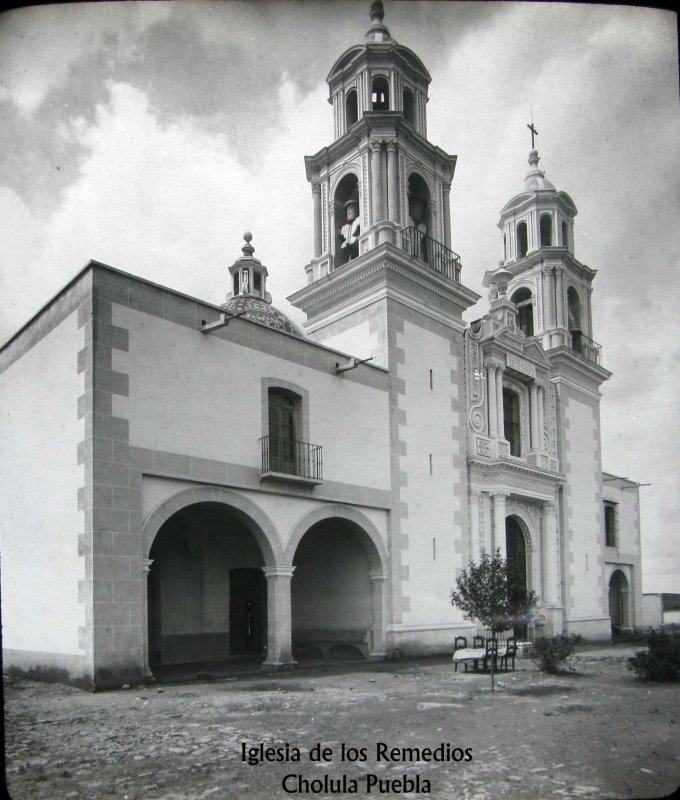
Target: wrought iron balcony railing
point(431, 252)
point(590, 350)
point(288, 457)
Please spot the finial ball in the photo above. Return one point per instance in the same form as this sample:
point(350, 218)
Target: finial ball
point(377, 11)
point(248, 236)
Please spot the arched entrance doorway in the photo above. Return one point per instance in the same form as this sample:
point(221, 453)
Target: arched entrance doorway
point(618, 601)
point(516, 555)
point(336, 592)
point(206, 592)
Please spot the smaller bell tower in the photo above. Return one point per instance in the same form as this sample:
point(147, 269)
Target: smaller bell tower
point(550, 287)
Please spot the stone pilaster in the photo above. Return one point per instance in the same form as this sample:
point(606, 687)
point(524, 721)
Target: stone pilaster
point(392, 182)
point(316, 194)
point(551, 577)
point(379, 583)
point(499, 522)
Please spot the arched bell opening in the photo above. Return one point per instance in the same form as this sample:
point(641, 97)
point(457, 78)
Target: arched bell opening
point(351, 108)
point(523, 300)
point(206, 592)
point(332, 593)
point(420, 222)
point(618, 602)
point(522, 239)
point(545, 230)
point(409, 107)
point(575, 322)
point(347, 222)
point(380, 94)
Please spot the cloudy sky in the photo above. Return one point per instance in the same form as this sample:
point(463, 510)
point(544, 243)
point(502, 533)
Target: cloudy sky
point(151, 135)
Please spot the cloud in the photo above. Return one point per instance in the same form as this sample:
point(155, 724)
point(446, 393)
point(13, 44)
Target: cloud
point(40, 45)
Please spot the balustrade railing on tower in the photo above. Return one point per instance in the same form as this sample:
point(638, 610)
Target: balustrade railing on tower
point(590, 350)
point(431, 252)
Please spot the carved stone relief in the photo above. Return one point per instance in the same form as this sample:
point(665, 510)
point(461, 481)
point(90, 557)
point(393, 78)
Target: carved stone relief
point(476, 385)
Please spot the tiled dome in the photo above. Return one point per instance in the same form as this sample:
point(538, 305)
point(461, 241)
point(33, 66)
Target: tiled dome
point(259, 310)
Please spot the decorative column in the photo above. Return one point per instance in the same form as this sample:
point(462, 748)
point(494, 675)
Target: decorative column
point(551, 562)
point(376, 182)
point(146, 568)
point(541, 420)
point(474, 543)
point(533, 414)
point(499, 523)
point(446, 189)
point(279, 644)
point(559, 296)
point(491, 384)
point(549, 294)
point(316, 194)
point(379, 582)
point(499, 401)
point(392, 182)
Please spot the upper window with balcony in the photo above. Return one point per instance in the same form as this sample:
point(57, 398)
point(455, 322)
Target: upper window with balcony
point(512, 425)
point(285, 454)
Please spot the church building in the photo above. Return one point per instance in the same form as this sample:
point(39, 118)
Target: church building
point(187, 483)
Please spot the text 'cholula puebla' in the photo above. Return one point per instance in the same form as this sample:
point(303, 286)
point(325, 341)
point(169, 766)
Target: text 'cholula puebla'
point(381, 753)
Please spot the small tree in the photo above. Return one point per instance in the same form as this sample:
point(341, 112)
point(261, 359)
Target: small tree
point(492, 592)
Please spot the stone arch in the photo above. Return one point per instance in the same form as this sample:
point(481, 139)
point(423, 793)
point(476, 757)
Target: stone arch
point(252, 515)
point(339, 587)
point(249, 515)
point(346, 215)
point(619, 600)
point(368, 533)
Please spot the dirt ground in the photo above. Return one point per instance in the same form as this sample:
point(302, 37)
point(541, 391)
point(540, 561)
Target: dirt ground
point(595, 733)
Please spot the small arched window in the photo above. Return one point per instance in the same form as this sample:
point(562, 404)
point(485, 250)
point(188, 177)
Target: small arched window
point(380, 95)
point(351, 108)
point(522, 241)
point(409, 107)
point(565, 234)
point(523, 299)
point(546, 230)
point(512, 429)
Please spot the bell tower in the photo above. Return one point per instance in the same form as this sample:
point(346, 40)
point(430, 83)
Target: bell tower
point(385, 285)
point(548, 291)
point(551, 289)
point(380, 173)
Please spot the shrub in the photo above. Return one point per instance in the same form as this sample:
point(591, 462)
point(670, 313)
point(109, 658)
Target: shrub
point(550, 653)
point(661, 661)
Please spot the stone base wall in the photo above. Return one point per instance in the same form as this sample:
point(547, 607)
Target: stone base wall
point(597, 629)
point(75, 670)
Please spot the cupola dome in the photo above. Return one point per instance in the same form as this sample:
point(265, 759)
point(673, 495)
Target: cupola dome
point(249, 297)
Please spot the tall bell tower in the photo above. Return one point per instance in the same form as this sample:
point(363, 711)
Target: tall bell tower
point(550, 292)
point(384, 284)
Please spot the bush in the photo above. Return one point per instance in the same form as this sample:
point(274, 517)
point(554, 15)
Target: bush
point(550, 653)
point(661, 662)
